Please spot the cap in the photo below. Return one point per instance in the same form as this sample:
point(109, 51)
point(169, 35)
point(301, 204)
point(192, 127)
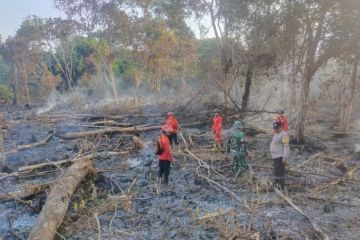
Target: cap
point(276, 125)
point(237, 125)
point(170, 113)
point(280, 111)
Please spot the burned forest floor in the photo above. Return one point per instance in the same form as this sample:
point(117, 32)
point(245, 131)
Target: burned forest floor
point(122, 199)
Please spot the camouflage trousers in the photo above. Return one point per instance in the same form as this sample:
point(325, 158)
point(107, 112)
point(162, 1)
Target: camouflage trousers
point(239, 165)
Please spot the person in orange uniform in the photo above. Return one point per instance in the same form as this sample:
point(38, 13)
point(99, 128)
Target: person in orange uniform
point(166, 157)
point(217, 126)
point(172, 122)
point(280, 117)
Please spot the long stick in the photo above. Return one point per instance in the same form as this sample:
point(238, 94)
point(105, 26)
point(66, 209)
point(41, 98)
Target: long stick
point(32, 145)
point(319, 232)
point(61, 162)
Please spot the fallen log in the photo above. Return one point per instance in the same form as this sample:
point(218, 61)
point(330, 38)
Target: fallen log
point(32, 145)
point(6, 175)
point(54, 210)
point(93, 133)
point(61, 162)
point(112, 123)
point(319, 232)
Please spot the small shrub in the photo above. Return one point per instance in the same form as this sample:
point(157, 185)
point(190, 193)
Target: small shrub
point(5, 93)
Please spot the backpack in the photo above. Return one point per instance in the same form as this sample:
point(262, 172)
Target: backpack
point(158, 147)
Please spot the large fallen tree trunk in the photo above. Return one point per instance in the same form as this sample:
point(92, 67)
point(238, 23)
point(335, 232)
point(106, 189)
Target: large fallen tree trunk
point(54, 210)
point(32, 145)
point(118, 130)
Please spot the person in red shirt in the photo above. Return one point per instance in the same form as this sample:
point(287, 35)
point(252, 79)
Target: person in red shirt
point(280, 117)
point(166, 157)
point(217, 126)
point(172, 122)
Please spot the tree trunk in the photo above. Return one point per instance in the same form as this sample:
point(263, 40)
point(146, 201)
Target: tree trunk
point(2, 150)
point(293, 81)
point(248, 82)
point(348, 97)
point(226, 88)
point(27, 92)
point(293, 90)
point(305, 92)
point(14, 85)
point(54, 210)
point(111, 75)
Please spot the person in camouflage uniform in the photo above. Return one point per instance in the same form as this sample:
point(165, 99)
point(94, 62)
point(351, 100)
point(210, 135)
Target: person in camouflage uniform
point(237, 147)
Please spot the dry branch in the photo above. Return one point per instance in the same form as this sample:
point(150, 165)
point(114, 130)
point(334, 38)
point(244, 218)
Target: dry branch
point(19, 200)
point(32, 145)
point(217, 213)
point(117, 130)
point(319, 232)
point(61, 162)
point(211, 182)
point(54, 210)
point(27, 191)
point(46, 164)
point(328, 200)
point(182, 138)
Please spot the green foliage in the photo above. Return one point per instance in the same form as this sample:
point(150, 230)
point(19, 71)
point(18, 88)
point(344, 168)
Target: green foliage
point(4, 71)
point(5, 92)
point(207, 48)
point(122, 66)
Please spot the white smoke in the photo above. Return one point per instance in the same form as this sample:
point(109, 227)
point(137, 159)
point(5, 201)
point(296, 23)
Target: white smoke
point(357, 147)
point(54, 99)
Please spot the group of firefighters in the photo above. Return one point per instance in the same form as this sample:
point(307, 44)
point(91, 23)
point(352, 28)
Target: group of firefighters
point(235, 144)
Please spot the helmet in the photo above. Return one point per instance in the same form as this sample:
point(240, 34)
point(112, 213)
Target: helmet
point(237, 125)
point(166, 129)
point(276, 125)
point(280, 111)
point(216, 111)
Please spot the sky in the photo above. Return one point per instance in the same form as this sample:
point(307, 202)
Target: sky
point(13, 12)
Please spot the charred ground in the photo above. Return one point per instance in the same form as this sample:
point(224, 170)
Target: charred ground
point(122, 200)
